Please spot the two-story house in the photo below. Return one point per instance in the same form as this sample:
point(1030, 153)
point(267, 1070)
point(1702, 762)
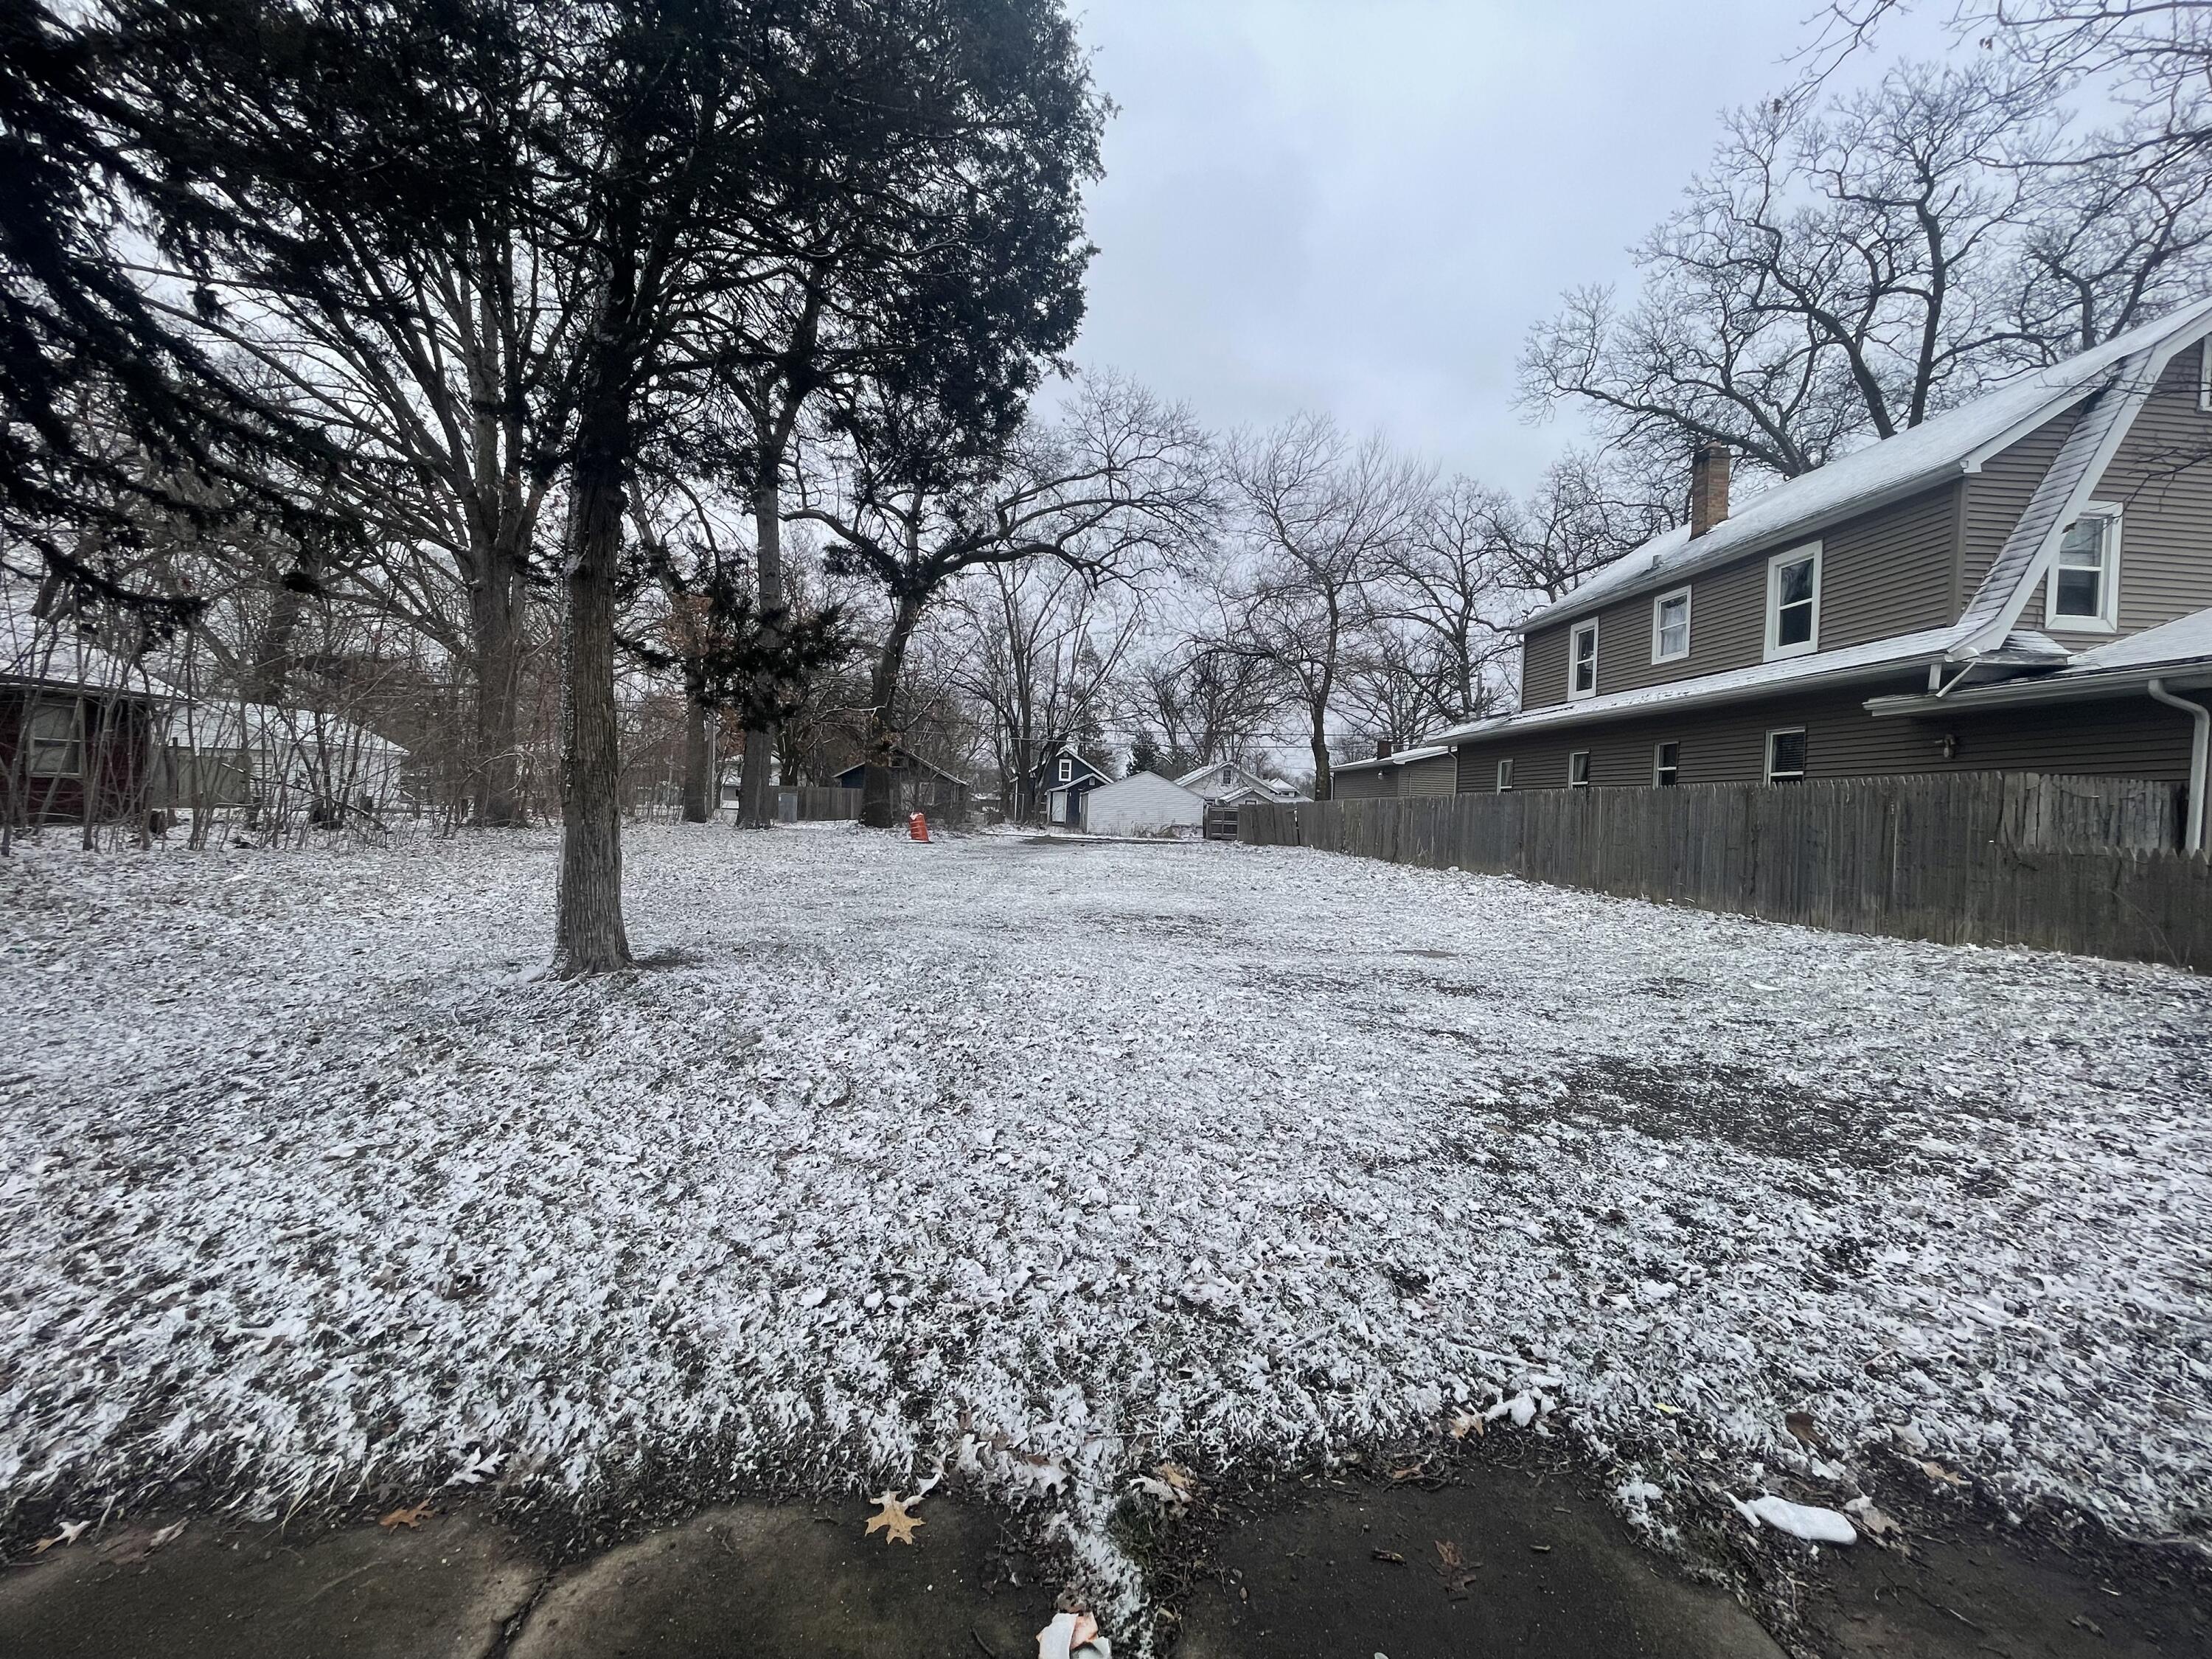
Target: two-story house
point(2022, 584)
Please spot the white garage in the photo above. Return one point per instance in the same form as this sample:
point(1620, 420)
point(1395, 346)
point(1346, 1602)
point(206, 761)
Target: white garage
point(1142, 804)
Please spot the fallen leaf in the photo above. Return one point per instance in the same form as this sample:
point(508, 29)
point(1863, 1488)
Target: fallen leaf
point(1937, 1472)
point(1804, 1430)
point(167, 1535)
point(409, 1518)
point(894, 1520)
point(1872, 1521)
point(1391, 1556)
point(66, 1532)
point(1408, 1472)
point(1464, 1423)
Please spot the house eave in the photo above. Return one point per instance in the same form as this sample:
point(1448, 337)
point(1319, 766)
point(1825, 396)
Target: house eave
point(2047, 689)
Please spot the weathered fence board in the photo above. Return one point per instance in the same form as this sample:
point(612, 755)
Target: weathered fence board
point(817, 802)
point(2064, 863)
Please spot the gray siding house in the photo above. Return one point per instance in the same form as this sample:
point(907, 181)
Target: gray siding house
point(2022, 584)
point(1429, 770)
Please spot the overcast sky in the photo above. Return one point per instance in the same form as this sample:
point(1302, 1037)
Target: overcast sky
point(1362, 205)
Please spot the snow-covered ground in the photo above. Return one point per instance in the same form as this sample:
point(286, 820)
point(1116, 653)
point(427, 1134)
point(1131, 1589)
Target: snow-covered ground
point(1117, 1151)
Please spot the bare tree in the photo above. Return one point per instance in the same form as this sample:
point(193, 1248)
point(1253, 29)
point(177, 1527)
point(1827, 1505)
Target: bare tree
point(1118, 481)
point(1844, 270)
point(1207, 702)
point(1319, 517)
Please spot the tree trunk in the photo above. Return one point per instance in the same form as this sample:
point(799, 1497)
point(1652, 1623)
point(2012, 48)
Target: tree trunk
point(768, 548)
point(587, 929)
point(698, 759)
point(880, 783)
point(1322, 778)
point(495, 603)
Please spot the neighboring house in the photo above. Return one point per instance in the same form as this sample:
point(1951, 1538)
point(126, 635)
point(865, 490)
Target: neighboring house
point(281, 759)
point(1063, 778)
point(1232, 783)
point(921, 785)
point(1430, 770)
point(2022, 584)
point(1142, 804)
point(80, 728)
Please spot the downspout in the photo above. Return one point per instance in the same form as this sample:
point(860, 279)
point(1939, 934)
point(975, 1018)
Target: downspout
point(2200, 762)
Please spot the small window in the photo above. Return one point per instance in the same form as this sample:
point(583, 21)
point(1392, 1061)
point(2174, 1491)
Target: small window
point(1066, 769)
point(1670, 626)
point(1667, 765)
point(56, 740)
point(1793, 603)
point(2085, 583)
point(1785, 756)
point(1579, 769)
point(2205, 373)
point(1582, 662)
point(1505, 775)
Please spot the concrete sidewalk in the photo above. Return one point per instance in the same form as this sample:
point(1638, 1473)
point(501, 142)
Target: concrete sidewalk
point(1497, 1564)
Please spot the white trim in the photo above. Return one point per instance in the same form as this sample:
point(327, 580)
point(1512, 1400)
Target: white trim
point(1659, 762)
point(1768, 761)
point(1583, 756)
point(1811, 643)
point(1506, 775)
point(1067, 770)
point(2107, 619)
point(1659, 653)
point(71, 746)
point(1574, 658)
point(2205, 373)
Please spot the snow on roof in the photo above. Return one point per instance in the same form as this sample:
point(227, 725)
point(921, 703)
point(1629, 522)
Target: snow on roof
point(1403, 758)
point(1146, 776)
point(2186, 639)
point(216, 723)
point(57, 651)
point(1948, 444)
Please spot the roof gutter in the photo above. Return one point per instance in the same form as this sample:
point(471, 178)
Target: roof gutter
point(2040, 688)
point(2200, 761)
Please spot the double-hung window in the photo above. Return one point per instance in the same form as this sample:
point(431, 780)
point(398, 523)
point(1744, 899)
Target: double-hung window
point(1579, 769)
point(1667, 764)
point(1582, 662)
point(1793, 602)
point(1505, 775)
point(56, 740)
point(1670, 626)
point(2085, 583)
point(1066, 769)
point(1785, 755)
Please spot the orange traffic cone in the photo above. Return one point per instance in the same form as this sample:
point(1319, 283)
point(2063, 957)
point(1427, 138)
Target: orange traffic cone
point(917, 826)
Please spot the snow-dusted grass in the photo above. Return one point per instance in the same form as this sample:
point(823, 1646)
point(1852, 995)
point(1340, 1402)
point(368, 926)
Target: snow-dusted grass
point(1228, 1154)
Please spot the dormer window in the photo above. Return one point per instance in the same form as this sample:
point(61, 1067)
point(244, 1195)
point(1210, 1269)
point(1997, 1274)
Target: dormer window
point(1066, 769)
point(2085, 583)
point(1793, 603)
point(1582, 662)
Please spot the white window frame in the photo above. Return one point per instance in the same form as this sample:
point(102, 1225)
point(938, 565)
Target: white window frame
point(1659, 652)
point(1772, 776)
point(1659, 762)
point(73, 745)
point(2107, 619)
point(2205, 373)
point(1583, 781)
point(1574, 658)
point(1805, 647)
point(1506, 776)
point(1066, 769)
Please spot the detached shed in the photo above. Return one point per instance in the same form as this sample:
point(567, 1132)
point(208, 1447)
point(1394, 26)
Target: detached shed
point(1142, 804)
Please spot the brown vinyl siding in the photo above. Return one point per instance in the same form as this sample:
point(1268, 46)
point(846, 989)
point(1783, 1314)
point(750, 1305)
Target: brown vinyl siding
point(1884, 573)
point(1544, 666)
point(1436, 776)
point(2160, 477)
point(2122, 736)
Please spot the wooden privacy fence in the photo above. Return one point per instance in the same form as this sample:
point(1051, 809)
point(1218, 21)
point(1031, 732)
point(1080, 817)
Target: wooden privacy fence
point(2068, 864)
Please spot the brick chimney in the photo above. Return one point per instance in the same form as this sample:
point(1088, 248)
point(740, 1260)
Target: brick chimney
point(1382, 749)
point(1709, 488)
